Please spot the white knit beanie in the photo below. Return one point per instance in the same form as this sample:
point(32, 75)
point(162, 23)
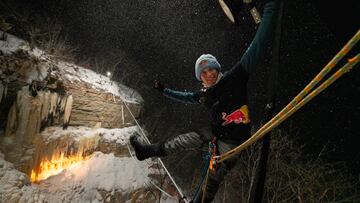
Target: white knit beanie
point(206, 61)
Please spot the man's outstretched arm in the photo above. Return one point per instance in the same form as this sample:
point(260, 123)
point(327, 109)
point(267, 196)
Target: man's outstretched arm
point(265, 33)
point(184, 97)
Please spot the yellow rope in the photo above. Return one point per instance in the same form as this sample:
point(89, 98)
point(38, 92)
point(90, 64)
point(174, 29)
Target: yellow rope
point(320, 75)
point(298, 101)
point(347, 67)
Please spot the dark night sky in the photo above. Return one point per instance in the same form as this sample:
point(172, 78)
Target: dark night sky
point(162, 39)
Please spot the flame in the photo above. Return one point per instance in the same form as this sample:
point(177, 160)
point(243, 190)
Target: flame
point(54, 166)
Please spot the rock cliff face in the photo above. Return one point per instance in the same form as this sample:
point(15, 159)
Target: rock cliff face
point(37, 91)
point(95, 108)
point(90, 98)
point(50, 108)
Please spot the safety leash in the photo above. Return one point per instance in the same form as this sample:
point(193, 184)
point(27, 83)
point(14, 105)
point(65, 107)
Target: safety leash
point(204, 170)
point(209, 165)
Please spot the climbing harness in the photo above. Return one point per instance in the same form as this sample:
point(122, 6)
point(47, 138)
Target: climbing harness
point(213, 166)
point(183, 197)
point(209, 165)
point(303, 97)
point(204, 170)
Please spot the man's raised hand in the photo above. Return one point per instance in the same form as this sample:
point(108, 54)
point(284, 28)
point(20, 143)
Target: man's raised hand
point(158, 86)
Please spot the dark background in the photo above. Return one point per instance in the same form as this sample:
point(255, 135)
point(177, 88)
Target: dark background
point(143, 40)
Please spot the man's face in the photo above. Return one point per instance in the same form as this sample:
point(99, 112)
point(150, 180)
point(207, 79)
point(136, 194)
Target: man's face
point(209, 76)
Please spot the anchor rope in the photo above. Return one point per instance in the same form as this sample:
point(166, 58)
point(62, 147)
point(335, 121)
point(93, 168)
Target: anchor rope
point(157, 187)
point(160, 161)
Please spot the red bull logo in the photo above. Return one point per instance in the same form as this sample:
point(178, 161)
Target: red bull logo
point(203, 63)
point(238, 116)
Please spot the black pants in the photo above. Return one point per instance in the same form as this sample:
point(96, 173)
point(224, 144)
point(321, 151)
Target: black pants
point(200, 140)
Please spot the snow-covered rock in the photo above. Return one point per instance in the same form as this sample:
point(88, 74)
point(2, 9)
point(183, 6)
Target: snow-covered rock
point(71, 140)
point(38, 92)
point(97, 179)
point(102, 178)
point(54, 107)
point(14, 184)
point(67, 71)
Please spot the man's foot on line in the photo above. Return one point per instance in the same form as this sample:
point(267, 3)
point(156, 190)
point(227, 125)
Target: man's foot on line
point(144, 151)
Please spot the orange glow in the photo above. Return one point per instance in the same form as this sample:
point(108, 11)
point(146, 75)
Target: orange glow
point(54, 166)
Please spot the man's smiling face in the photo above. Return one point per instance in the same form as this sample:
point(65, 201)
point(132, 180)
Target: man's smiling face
point(209, 76)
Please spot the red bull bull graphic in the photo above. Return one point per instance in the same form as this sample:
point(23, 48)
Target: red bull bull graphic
point(203, 63)
point(238, 116)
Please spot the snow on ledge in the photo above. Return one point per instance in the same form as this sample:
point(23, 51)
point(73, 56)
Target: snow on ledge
point(102, 172)
point(82, 182)
point(76, 73)
point(118, 135)
point(11, 44)
point(71, 72)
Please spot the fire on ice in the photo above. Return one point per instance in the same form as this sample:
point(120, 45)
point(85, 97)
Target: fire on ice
point(54, 166)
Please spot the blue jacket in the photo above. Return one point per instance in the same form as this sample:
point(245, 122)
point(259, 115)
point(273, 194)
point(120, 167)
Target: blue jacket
point(227, 100)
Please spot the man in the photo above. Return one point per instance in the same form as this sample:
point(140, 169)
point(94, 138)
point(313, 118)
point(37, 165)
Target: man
point(225, 96)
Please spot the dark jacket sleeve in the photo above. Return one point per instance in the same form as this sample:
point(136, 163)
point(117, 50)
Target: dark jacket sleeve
point(184, 97)
point(264, 35)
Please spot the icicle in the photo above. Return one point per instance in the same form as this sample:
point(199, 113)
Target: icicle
point(5, 91)
point(122, 115)
point(58, 103)
point(87, 144)
point(2, 88)
point(113, 96)
point(53, 103)
point(62, 104)
point(67, 111)
point(23, 104)
point(45, 102)
point(11, 121)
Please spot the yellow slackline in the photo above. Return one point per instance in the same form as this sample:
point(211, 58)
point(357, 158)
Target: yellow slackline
point(346, 68)
point(323, 72)
point(265, 129)
point(298, 101)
